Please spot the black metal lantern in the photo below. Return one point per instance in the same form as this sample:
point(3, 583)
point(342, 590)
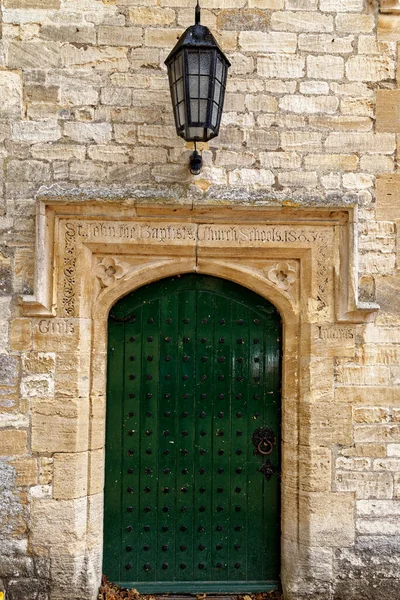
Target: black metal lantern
point(197, 70)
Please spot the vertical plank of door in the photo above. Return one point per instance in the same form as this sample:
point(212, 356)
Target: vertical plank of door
point(239, 471)
point(203, 436)
point(131, 448)
point(271, 496)
point(222, 417)
point(168, 364)
point(185, 402)
point(113, 465)
point(255, 418)
point(149, 458)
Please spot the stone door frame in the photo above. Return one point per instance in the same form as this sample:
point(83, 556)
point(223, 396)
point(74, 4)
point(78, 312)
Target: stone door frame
point(91, 254)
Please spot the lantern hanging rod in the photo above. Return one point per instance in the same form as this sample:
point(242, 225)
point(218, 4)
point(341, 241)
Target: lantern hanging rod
point(197, 13)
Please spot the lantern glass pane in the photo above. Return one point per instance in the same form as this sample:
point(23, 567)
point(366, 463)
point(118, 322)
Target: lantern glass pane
point(178, 67)
point(195, 133)
point(217, 92)
point(214, 117)
point(181, 113)
point(219, 70)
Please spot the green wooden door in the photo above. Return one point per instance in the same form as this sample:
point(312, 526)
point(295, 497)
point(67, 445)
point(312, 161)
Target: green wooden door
point(193, 372)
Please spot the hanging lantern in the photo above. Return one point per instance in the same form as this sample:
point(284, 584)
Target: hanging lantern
point(197, 70)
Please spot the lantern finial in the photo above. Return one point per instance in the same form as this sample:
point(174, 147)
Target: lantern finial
point(197, 13)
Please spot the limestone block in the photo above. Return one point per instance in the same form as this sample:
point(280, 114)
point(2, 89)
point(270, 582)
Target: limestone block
point(393, 450)
point(36, 131)
point(301, 141)
point(228, 158)
point(314, 87)
point(349, 23)
point(97, 421)
point(34, 54)
point(369, 143)
point(158, 135)
point(161, 38)
point(342, 5)
point(371, 414)
point(332, 162)
point(315, 469)
point(308, 105)
point(298, 179)
point(387, 110)
point(60, 426)
point(10, 95)
point(266, 4)
point(267, 140)
point(88, 132)
point(109, 154)
point(301, 22)
point(45, 470)
point(55, 152)
point(58, 524)
point(325, 43)
point(13, 442)
point(261, 103)
point(96, 471)
point(70, 475)
point(302, 4)
point(370, 68)
point(325, 67)
point(386, 464)
point(369, 450)
point(358, 181)
point(26, 470)
point(87, 171)
point(37, 386)
point(104, 58)
point(76, 95)
point(389, 28)
point(378, 526)
point(72, 375)
point(257, 41)
point(243, 19)
point(69, 33)
point(236, 102)
point(377, 164)
point(281, 66)
point(368, 44)
point(32, 4)
point(148, 154)
point(116, 96)
point(377, 433)
point(250, 177)
point(129, 174)
point(66, 335)
point(327, 519)
point(280, 160)
point(358, 463)
point(21, 335)
point(32, 171)
point(120, 36)
point(388, 197)
point(324, 424)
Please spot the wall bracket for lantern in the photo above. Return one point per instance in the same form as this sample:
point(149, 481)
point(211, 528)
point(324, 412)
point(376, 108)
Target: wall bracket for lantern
point(197, 71)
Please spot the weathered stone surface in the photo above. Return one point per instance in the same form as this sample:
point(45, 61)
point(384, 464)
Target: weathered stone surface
point(10, 95)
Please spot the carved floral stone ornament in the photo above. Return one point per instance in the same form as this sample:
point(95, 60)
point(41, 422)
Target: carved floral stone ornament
point(109, 270)
point(283, 275)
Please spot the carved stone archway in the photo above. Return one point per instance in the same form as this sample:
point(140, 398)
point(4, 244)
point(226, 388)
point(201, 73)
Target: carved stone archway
point(90, 255)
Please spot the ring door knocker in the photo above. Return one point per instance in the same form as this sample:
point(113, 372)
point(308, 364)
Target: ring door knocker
point(264, 440)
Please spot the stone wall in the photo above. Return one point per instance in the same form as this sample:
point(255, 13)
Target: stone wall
point(311, 120)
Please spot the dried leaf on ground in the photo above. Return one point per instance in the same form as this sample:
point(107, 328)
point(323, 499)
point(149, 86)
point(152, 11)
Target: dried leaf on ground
point(110, 591)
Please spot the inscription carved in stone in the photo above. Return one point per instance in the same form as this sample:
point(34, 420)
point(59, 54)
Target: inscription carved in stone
point(56, 326)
